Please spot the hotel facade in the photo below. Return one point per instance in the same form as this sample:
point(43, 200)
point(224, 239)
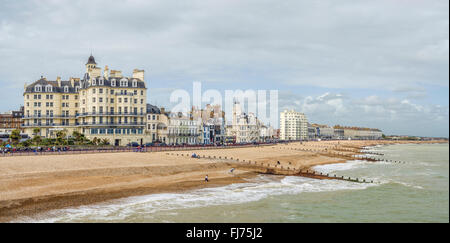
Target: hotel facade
point(293, 125)
point(103, 105)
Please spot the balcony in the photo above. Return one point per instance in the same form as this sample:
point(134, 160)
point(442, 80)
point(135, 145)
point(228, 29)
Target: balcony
point(182, 134)
point(47, 116)
point(50, 125)
point(121, 124)
point(112, 114)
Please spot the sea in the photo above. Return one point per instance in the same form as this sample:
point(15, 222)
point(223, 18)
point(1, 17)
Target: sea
point(416, 190)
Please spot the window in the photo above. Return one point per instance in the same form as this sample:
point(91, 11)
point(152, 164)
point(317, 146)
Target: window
point(134, 83)
point(142, 92)
point(38, 88)
point(100, 91)
point(124, 82)
point(93, 91)
point(66, 89)
point(93, 81)
point(113, 83)
point(100, 100)
point(135, 92)
point(101, 81)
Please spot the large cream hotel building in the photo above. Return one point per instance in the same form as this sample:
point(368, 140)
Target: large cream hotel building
point(104, 105)
point(293, 125)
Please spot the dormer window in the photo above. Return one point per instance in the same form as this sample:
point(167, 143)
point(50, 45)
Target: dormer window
point(124, 82)
point(37, 88)
point(93, 81)
point(101, 81)
point(113, 83)
point(77, 89)
point(134, 83)
point(66, 89)
point(48, 88)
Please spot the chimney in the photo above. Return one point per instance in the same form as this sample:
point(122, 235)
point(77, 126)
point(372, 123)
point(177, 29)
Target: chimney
point(106, 72)
point(139, 74)
point(72, 82)
point(116, 74)
point(58, 79)
point(163, 110)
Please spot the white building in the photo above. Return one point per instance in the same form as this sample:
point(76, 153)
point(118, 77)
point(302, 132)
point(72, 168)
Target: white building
point(245, 128)
point(293, 125)
point(182, 130)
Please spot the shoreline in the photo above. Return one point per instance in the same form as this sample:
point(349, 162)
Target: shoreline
point(109, 179)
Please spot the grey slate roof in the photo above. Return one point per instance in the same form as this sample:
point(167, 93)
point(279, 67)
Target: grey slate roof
point(152, 109)
point(55, 88)
point(83, 84)
point(91, 60)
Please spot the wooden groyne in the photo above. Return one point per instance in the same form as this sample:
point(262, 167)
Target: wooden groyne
point(276, 169)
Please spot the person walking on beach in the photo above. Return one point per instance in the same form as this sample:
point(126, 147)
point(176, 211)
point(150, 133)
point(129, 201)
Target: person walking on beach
point(206, 178)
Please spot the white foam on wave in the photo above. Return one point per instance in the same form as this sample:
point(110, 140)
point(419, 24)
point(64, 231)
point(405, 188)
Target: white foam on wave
point(349, 165)
point(256, 189)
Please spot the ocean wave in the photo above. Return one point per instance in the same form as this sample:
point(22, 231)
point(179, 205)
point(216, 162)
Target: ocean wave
point(349, 165)
point(255, 190)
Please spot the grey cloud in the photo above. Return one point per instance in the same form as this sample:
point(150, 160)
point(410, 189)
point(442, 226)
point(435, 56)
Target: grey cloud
point(369, 45)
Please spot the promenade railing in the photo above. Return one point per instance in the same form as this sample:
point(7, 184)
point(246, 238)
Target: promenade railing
point(61, 150)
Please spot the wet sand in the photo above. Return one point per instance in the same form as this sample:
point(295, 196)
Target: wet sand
point(34, 184)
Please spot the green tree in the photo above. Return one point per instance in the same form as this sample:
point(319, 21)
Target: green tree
point(37, 140)
point(26, 143)
point(60, 137)
point(36, 130)
point(95, 141)
point(15, 136)
point(79, 137)
point(105, 141)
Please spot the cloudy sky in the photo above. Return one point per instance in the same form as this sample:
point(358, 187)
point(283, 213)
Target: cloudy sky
point(367, 63)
